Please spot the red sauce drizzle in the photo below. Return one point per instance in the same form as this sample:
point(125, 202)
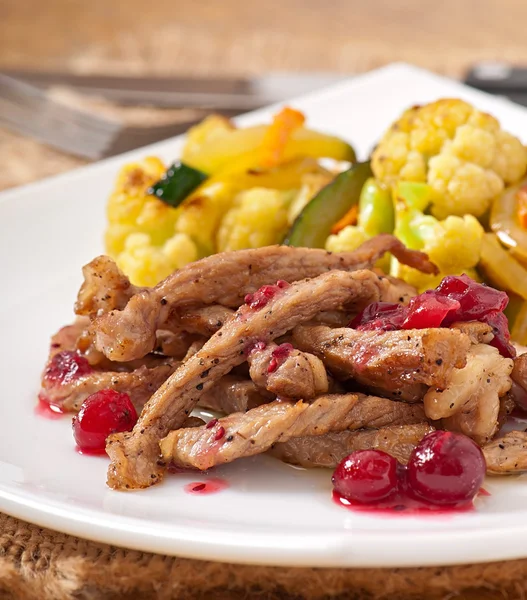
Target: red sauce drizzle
point(279, 354)
point(91, 452)
point(264, 295)
point(202, 488)
point(401, 504)
point(47, 410)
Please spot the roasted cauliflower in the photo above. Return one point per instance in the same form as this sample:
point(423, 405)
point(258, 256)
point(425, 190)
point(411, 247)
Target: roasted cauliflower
point(141, 234)
point(461, 152)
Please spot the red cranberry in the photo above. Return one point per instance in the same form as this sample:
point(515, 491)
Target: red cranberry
point(101, 414)
point(262, 297)
point(278, 355)
point(65, 367)
point(475, 299)
point(446, 468)
point(500, 328)
point(255, 347)
point(366, 476)
point(219, 433)
point(428, 310)
point(384, 316)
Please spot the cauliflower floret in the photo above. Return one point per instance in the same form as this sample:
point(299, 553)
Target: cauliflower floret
point(346, 240)
point(130, 209)
point(461, 152)
point(146, 264)
point(454, 245)
point(258, 217)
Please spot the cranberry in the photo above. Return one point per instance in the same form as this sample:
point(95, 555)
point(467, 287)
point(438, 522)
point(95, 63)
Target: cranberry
point(475, 299)
point(262, 297)
point(380, 315)
point(101, 414)
point(446, 468)
point(500, 329)
point(219, 433)
point(255, 347)
point(428, 310)
point(366, 476)
point(65, 367)
point(278, 355)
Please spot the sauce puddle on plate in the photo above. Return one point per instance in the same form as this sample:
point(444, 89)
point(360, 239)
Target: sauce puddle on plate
point(203, 488)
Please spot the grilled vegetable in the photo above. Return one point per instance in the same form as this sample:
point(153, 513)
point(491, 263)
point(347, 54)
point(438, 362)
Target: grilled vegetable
point(374, 215)
point(453, 244)
point(176, 184)
point(215, 144)
point(500, 267)
point(461, 152)
point(313, 225)
point(504, 221)
point(518, 326)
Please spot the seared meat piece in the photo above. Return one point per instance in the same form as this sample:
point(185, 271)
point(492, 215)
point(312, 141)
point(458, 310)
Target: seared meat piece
point(507, 455)
point(176, 344)
point(329, 449)
point(287, 372)
point(400, 292)
point(139, 384)
point(233, 394)
point(391, 360)
point(135, 454)
point(105, 288)
point(470, 403)
point(333, 318)
point(67, 336)
point(479, 333)
point(246, 434)
point(225, 279)
point(206, 320)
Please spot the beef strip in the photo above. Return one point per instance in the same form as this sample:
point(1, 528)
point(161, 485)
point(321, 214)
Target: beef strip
point(329, 449)
point(470, 402)
point(507, 455)
point(105, 288)
point(233, 394)
point(246, 434)
point(225, 279)
point(176, 344)
point(135, 454)
point(139, 384)
point(296, 375)
point(391, 360)
point(205, 320)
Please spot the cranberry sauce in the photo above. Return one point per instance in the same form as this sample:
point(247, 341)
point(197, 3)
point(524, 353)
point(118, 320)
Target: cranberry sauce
point(262, 297)
point(444, 473)
point(457, 298)
point(278, 355)
point(401, 504)
point(48, 410)
point(202, 488)
point(65, 367)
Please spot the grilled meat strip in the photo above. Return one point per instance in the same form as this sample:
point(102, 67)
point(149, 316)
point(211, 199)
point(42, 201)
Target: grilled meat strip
point(246, 434)
point(225, 279)
point(234, 394)
point(507, 455)
point(135, 454)
point(287, 372)
point(394, 361)
point(470, 402)
point(329, 449)
point(139, 385)
point(105, 288)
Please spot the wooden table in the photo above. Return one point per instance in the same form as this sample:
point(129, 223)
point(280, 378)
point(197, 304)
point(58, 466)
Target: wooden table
point(234, 37)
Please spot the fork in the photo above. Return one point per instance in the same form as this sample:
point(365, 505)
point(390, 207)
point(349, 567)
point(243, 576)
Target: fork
point(26, 109)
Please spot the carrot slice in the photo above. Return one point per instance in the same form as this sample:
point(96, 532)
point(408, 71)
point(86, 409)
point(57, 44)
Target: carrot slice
point(277, 135)
point(350, 218)
point(521, 198)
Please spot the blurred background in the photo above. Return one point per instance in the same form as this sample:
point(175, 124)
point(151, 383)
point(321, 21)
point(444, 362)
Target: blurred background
point(227, 38)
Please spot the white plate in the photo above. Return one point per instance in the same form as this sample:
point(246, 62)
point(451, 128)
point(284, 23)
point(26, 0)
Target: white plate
point(271, 513)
